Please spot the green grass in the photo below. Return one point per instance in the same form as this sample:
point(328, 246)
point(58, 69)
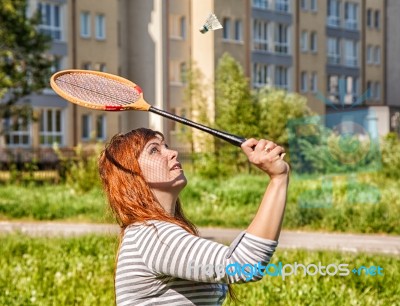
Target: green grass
point(58, 202)
point(366, 203)
point(56, 271)
point(79, 271)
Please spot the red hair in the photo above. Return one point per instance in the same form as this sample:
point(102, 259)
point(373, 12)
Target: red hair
point(129, 196)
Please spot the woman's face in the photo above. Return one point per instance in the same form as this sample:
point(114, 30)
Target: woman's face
point(160, 166)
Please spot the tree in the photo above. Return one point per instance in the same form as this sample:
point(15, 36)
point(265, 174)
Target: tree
point(235, 112)
point(277, 109)
point(197, 109)
point(24, 66)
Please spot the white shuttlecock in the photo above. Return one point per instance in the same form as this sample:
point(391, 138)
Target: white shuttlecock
point(211, 23)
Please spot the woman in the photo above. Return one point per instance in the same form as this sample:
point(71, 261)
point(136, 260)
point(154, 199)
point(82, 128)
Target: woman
point(161, 259)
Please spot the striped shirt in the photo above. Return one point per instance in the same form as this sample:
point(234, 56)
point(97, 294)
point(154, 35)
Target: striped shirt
point(159, 264)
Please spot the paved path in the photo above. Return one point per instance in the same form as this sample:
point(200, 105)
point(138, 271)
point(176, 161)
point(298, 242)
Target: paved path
point(289, 239)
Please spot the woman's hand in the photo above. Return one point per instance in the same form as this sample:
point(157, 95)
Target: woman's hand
point(267, 156)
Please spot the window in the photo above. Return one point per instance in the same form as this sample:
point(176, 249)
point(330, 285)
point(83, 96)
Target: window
point(178, 73)
point(377, 55)
point(282, 5)
point(281, 39)
point(261, 4)
point(370, 58)
point(303, 82)
point(87, 66)
point(260, 35)
point(177, 26)
point(377, 19)
point(303, 4)
point(351, 16)
point(102, 67)
point(333, 51)
point(369, 18)
point(226, 23)
point(351, 90)
point(100, 27)
point(18, 132)
point(350, 53)
point(377, 91)
point(333, 88)
point(51, 123)
point(86, 127)
point(281, 77)
point(304, 41)
point(370, 93)
point(183, 72)
point(314, 80)
point(260, 75)
point(50, 23)
point(313, 42)
point(333, 13)
point(85, 24)
point(238, 30)
point(101, 127)
point(313, 5)
point(56, 64)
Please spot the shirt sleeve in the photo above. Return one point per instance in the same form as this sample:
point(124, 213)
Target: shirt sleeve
point(168, 249)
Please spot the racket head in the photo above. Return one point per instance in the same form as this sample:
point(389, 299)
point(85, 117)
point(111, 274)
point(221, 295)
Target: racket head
point(98, 90)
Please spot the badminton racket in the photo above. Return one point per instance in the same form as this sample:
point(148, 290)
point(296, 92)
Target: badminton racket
point(108, 92)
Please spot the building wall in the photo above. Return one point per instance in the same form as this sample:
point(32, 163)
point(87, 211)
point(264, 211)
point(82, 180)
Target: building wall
point(375, 40)
point(393, 53)
point(143, 29)
point(93, 53)
point(313, 63)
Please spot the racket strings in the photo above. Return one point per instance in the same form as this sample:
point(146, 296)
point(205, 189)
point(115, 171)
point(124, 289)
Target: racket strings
point(95, 89)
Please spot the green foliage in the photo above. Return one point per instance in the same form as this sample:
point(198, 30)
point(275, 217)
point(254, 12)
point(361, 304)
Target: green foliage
point(235, 112)
point(329, 290)
point(23, 66)
point(260, 114)
point(59, 202)
point(317, 149)
point(81, 173)
point(57, 271)
point(196, 109)
point(363, 203)
point(390, 147)
point(80, 270)
point(277, 109)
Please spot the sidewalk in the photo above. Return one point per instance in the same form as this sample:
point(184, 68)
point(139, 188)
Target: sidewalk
point(289, 239)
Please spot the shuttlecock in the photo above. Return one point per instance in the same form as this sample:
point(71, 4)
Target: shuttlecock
point(211, 23)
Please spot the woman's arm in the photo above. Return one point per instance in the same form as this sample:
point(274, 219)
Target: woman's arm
point(267, 156)
point(167, 249)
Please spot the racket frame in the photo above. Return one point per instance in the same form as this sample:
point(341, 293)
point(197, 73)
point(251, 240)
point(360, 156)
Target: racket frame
point(140, 104)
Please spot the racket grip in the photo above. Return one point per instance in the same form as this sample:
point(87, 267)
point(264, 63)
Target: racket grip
point(231, 138)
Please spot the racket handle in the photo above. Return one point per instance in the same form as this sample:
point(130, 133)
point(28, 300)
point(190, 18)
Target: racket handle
point(233, 139)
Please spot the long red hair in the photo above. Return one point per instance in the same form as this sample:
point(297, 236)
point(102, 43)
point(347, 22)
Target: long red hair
point(129, 196)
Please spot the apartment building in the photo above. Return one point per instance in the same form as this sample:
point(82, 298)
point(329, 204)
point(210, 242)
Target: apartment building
point(392, 77)
point(333, 52)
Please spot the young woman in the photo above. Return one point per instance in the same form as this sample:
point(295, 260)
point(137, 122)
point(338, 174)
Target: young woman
point(161, 258)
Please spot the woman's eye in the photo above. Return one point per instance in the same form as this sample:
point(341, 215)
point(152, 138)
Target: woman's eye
point(154, 150)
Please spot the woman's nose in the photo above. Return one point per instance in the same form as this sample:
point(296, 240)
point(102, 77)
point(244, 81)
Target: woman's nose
point(173, 153)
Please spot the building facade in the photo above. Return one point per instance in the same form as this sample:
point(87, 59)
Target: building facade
point(335, 52)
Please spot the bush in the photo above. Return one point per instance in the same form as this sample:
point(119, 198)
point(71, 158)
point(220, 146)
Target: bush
point(81, 173)
point(390, 148)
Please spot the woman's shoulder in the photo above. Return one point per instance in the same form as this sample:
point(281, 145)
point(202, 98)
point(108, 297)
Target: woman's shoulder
point(152, 226)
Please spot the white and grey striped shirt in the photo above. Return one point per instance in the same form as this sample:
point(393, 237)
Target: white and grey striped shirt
point(158, 265)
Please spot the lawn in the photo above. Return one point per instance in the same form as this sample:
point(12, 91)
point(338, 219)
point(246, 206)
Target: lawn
point(79, 271)
point(365, 203)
